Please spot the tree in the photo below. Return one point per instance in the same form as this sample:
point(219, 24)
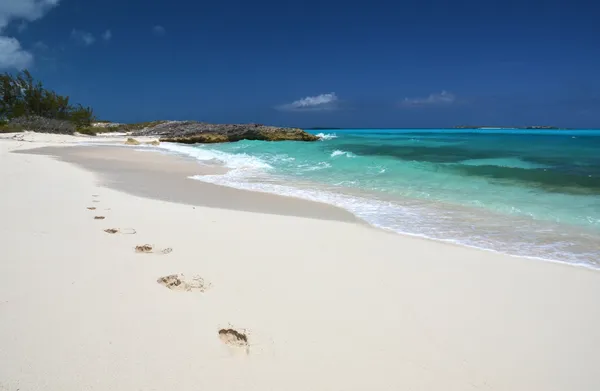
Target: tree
point(22, 95)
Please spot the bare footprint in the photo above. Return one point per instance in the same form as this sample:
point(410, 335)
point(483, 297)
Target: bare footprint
point(99, 217)
point(124, 231)
point(178, 282)
point(91, 208)
point(234, 338)
point(146, 248)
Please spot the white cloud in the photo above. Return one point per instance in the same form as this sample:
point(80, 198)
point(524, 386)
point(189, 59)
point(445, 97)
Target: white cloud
point(159, 30)
point(83, 37)
point(28, 10)
point(12, 55)
point(312, 103)
point(107, 35)
point(441, 98)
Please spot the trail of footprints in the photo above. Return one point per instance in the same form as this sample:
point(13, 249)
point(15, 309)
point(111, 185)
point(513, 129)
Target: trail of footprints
point(179, 282)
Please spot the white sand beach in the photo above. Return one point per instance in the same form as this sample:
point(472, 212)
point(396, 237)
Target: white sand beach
point(323, 302)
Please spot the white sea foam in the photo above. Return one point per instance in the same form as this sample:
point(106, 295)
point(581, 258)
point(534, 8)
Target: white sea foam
point(280, 158)
point(407, 217)
point(417, 219)
point(211, 156)
point(376, 170)
point(337, 152)
point(326, 136)
point(318, 166)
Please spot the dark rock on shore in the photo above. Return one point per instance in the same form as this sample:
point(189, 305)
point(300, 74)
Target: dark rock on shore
point(191, 132)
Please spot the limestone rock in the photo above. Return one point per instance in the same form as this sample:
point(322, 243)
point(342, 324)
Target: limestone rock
point(190, 132)
point(132, 141)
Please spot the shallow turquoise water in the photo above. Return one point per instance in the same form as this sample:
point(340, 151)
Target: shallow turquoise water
point(530, 193)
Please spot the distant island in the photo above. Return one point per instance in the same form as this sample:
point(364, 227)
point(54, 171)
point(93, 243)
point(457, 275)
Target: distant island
point(510, 127)
point(541, 127)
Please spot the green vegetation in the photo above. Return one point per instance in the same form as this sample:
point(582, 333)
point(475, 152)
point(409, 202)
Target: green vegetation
point(23, 97)
point(6, 128)
point(93, 130)
point(136, 126)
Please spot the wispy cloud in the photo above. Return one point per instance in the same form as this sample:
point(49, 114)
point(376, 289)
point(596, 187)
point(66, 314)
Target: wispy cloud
point(39, 45)
point(28, 10)
point(83, 37)
point(12, 54)
point(107, 35)
point(440, 98)
point(159, 30)
point(312, 103)
point(22, 26)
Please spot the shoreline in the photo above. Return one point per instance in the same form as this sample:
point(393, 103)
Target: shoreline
point(178, 163)
point(460, 214)
point(149, 176)
point(105, 160)
point(325, 304)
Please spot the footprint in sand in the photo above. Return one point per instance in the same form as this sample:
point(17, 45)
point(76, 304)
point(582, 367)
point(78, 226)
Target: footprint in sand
point(147, 249)
point(124, 231)
point(234, 338)
point(99, 217)
point(178, 282)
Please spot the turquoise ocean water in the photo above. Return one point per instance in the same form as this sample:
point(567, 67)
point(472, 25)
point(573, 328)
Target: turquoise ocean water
point(528, 193)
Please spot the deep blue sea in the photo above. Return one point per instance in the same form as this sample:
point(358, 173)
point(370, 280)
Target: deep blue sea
point(521, 192)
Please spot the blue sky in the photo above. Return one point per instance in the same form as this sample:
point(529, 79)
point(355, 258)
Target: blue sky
point(315, 63)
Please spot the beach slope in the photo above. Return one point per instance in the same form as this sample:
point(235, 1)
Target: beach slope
point(279, 299)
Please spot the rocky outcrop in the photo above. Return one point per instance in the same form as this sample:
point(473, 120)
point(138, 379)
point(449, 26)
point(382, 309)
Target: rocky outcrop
point(132, 141)
point(190, 132)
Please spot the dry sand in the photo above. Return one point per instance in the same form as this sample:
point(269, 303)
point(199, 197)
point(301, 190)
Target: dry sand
point(260, 301)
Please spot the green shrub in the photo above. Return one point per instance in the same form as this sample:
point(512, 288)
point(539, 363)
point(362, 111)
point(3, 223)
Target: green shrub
point(10, 128)
point(22, 96)
point(89, 130)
